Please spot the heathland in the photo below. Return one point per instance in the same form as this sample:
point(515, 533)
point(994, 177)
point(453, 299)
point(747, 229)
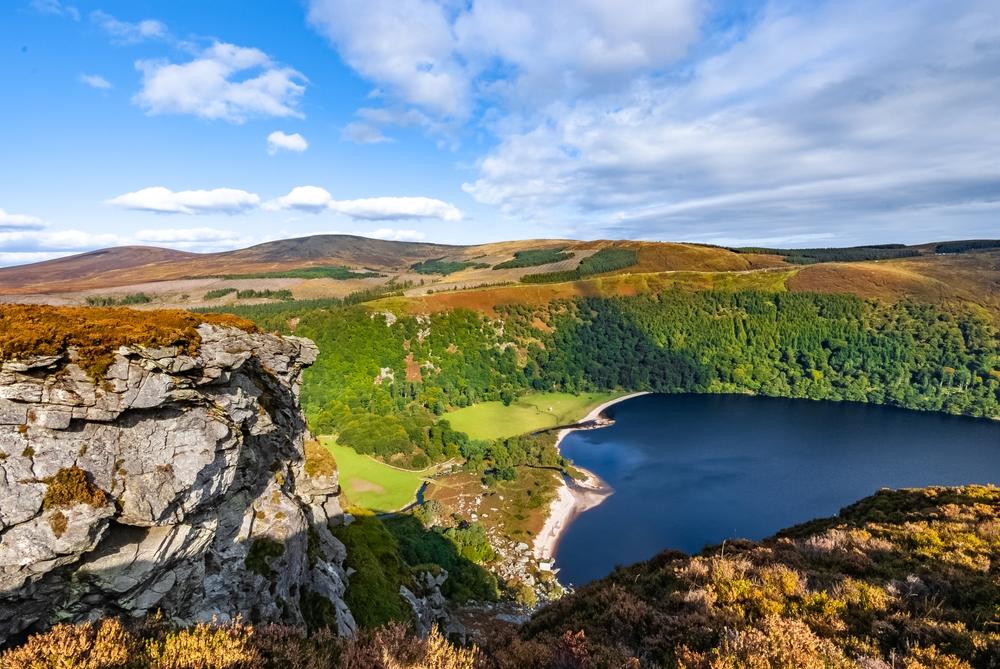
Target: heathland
point(444, 360)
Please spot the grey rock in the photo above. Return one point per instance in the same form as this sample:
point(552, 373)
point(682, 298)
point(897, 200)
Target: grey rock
point(201, 459)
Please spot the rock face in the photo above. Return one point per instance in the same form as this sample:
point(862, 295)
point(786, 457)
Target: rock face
point(175, 483)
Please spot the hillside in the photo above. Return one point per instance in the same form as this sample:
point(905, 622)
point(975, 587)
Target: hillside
point(904, 579)
point(437, 277)
point(907, 578)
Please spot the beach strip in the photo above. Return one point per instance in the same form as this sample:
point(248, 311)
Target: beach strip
point(573, 498)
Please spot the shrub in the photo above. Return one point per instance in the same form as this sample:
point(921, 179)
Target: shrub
point(111, 301)
point(776, 644)
point(249, 294)
point(218, 292)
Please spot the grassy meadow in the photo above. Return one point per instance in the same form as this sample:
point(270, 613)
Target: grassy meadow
point(371, 484)
point(531, 412)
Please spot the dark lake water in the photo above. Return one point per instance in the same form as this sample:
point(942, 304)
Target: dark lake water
point(692, 470)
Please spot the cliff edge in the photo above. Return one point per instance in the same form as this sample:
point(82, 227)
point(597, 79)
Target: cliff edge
point(168, 475)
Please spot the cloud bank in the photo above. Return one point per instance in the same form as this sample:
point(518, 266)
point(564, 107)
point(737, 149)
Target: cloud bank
point(165, 201)
point(675, 119)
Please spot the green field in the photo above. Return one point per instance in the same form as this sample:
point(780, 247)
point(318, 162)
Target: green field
point(371, 484)
point(534, 411)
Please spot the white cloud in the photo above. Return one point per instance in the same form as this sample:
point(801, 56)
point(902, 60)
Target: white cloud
point(14, 222)
point(45, 240)
point(125, 32)
point(278, 141)
point(404, 44)
point(396, 208)
point(95, 81)
point(225, 81)
point(394, 234)
point(9, 258)
point(55, 8)
point(315, 199)
point(163, 200)
point(438, 54)
point(851, 116)
point(28, 246)
point(304, 198)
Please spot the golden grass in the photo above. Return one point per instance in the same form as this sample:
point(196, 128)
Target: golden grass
point(96, 333)
point(109, 644)
point(487, 299)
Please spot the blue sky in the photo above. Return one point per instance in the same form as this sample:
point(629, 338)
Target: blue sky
point(218, 124)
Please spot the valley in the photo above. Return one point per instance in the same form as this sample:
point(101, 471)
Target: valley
point(442, 373)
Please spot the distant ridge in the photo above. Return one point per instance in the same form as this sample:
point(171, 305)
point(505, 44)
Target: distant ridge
point(126, 265)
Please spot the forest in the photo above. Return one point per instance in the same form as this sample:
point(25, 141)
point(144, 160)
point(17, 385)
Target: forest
point(383, 381)
point(444, 267)
point(847, 254)
point(534, 257)
point(605, 260)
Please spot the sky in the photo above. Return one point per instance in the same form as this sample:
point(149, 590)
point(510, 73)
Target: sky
point(218, 124)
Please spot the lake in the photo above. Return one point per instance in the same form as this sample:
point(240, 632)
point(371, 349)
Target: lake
point(693, 470)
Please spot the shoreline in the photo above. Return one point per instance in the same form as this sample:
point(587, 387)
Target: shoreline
point(574, 497)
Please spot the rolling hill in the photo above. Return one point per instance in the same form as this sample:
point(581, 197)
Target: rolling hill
point(440, 276)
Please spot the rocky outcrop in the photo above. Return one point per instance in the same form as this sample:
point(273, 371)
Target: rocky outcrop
point(175, 483)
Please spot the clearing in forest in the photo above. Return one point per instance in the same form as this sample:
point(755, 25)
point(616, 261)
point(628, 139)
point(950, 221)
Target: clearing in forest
point(374, 485)
point(534, 411)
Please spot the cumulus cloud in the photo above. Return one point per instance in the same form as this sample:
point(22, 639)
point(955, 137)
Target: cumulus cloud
point(303, 198)
point(165, 201)
point(279, 141)
point(15, 222)
point(225, 81)
point(396, 208)
point(95, 81)
point(126, 32)
point(55, 8)
point(438, 54)
point(683, 118)
point(852, 116)
point(315, 199)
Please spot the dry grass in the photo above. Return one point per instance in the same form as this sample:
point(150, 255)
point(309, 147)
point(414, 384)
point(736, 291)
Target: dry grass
point(109, 644)
point(69, 487)
point(486, 300)
point(97, 333)
point(881, 280)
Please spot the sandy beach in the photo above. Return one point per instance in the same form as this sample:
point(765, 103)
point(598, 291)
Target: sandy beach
point(575, 497)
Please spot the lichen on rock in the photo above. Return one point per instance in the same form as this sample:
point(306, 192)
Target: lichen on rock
point(146, 486)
